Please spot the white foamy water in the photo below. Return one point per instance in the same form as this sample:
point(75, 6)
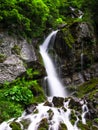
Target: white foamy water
point(85, 110)
point(59, 116)
point(55, 86)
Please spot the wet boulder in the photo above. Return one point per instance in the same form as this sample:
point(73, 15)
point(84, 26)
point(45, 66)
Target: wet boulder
point(75, 104)
point(31, 108)
point(15, 126)
point(58, 101)
point(43, 124)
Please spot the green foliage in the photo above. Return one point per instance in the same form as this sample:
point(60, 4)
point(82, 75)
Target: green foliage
point(32, 17)
point(9, 109)
point(88, 88)
point(32, 73)
point(19, 94)
point(15, 96)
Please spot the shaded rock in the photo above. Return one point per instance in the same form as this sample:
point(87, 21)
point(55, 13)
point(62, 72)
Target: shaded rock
point(62, 127)
point(86, 75)
point(50, 112)
point(25, 123)
point(92, 110)
point(75, 104)
point(47, 103)
point(96, 70)
point(58, 101)
point(67, 81)
point(30, 108)
point(77, 79)
point(62, 26)
point(75, 49)
point(43, 124)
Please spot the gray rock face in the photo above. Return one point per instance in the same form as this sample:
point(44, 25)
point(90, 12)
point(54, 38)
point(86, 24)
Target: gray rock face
point(11, 68)
point(76, 49)
point(13, 53)
point(27, 52)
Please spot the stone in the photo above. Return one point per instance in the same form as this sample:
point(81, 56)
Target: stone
point(31, 108)
point(72, 41)
point(47, 103)
point(11, 68)
point(58, 101)
point(86, 75)
point(27, 52)
point(77, 79)
point(67, 81)
point(96, 70)
point(18, 55)
point(75, 104)
point(25, 123)
point(43, 124)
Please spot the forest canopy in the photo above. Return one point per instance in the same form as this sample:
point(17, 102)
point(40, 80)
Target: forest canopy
point(32, 17)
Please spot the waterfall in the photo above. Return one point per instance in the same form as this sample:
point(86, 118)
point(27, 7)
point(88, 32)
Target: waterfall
point(55, 86)
point(49, 113)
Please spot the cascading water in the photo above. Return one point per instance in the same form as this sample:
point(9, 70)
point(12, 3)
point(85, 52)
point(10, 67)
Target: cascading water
point(55, 86)
point(49, 114)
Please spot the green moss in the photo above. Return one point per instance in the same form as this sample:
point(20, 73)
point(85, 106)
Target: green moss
point(69, 39)
point(94, 128)
point(25, 123)
point(63, 126)
point(96, 120)
point(15, 126)
point(88, 88)
point(2, 57)
point(1, 41)
point(16, 49)
point(83, 126)
point(73, 117)
point(43, 124)
point(50, 112)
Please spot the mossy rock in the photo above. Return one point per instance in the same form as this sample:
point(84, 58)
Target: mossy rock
point(2, 57)
point(62, 126)
point(68, 37)
point(43, 124)
point(47, 103)
point(83, 126)
point(50, 114)
point(16, 49)
point(58, 101)
point(88, 88)
point(73, 117)
point(75, 104)
point(94, 127)
point(15, 126)
point(25, 123)
point(1, 41)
